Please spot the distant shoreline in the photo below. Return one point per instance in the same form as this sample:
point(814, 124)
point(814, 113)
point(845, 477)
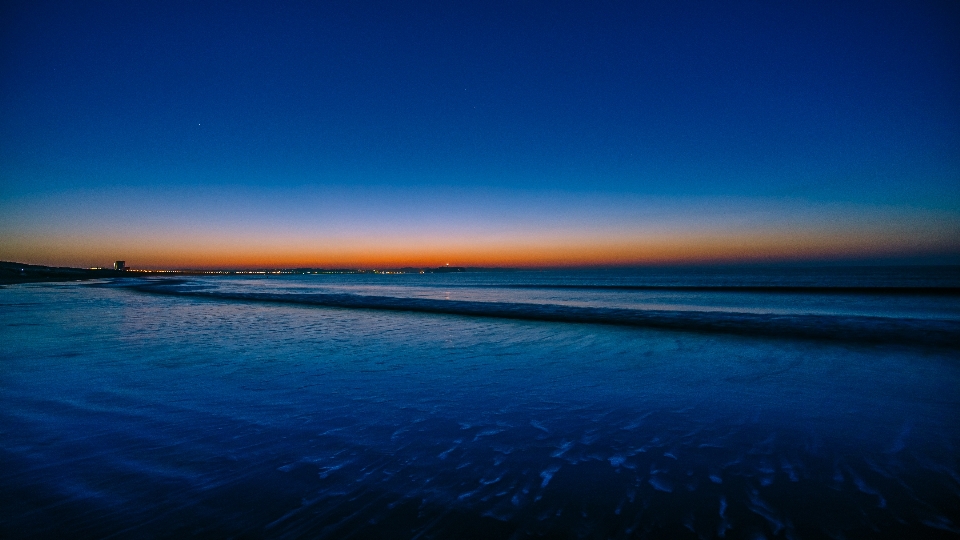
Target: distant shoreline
point(13, 272)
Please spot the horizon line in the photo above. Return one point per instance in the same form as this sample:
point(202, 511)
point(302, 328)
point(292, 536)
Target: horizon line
point(944, 260)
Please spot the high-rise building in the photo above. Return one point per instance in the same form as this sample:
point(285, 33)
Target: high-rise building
point(120, 265)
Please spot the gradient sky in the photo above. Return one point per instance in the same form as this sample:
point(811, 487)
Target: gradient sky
point(200, 134)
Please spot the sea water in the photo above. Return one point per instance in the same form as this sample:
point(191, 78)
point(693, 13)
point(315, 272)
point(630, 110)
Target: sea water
point(733, 403)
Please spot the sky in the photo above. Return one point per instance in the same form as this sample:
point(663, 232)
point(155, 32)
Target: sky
point(532, 134)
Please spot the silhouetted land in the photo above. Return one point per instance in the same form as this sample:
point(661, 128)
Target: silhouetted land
point(14, 272)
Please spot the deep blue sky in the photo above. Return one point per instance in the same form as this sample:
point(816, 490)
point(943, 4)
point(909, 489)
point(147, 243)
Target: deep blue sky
point(148, 123)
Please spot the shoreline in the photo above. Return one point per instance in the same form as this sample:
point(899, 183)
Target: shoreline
point(12, 273)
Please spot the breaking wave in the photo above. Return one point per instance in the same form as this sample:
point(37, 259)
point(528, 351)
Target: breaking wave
point(756, 289)
point(847, 328)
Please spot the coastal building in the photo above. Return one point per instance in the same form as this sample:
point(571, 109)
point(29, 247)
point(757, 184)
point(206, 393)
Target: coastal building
point(120, 265)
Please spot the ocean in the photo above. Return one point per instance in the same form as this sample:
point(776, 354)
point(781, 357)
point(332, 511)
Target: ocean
point(651, 403)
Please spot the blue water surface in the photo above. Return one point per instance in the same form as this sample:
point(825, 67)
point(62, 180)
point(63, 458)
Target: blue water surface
point(130, 414)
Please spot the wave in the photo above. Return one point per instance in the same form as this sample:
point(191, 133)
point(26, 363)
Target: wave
point(860, 329)
point(776, 289)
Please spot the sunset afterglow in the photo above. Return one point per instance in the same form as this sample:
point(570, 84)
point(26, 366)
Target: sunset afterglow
point(192, 138)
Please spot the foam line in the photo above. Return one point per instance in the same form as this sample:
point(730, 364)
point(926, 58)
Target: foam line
point(758, 289)
point(861, 329)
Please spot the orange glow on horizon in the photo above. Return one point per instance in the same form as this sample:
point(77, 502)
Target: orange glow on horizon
point(202, 253)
